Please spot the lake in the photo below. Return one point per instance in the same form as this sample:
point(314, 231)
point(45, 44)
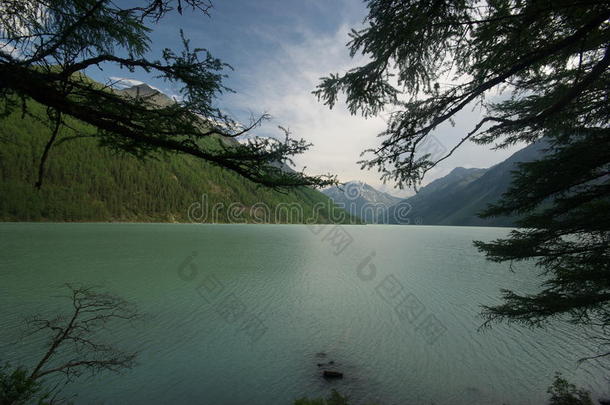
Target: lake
point(239, 314)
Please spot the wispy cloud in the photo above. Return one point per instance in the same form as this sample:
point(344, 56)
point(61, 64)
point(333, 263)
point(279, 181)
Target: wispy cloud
point(279, 59)
point(282, 86)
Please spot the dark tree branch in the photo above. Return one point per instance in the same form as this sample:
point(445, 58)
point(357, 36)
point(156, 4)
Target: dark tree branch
point(45, 154)
point(73, 36)
point(81, 330)
point(60, 37)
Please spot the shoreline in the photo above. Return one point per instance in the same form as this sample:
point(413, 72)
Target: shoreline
point(250, 223)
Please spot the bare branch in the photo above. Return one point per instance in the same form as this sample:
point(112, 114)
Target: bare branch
point(92, 311)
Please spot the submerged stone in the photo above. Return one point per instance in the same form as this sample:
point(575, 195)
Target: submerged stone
point(332, 374)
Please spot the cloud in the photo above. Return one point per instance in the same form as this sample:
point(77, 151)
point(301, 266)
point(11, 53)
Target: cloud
point(282, 86)
point(279, 60)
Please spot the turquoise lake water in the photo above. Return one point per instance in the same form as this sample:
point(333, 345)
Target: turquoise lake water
point(243, 314)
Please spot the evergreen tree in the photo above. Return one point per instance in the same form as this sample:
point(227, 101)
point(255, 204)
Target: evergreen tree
point(84, 182)
point(552, 58)
point(45, 46)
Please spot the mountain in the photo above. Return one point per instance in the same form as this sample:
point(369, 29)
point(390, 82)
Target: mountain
point(145, 91)
point(86, 182)
point(362, 200)
point(457, 198)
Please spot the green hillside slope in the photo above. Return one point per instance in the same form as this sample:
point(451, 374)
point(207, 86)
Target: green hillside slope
point(86, 182)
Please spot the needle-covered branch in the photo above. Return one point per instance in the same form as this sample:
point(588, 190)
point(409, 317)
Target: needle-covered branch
point(430, 60)
point(46, 46)
point(529, 48)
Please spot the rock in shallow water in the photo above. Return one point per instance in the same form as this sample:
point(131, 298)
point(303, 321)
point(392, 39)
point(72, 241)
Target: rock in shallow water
point(332, 374)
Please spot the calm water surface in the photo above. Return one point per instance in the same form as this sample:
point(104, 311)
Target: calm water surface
point(242, 314)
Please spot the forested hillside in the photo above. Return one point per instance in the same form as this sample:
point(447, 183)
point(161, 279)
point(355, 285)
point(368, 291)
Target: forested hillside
point(86, 182)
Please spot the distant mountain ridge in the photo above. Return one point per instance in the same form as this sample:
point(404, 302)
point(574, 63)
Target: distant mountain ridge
point(145, 91)
point(457, 198)
point(454, 199)
point(362, 200)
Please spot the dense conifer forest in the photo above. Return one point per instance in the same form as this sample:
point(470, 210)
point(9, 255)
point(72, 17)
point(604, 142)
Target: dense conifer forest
point(86, 182)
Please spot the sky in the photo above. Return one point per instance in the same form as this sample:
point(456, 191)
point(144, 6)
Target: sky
point(279, 50)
